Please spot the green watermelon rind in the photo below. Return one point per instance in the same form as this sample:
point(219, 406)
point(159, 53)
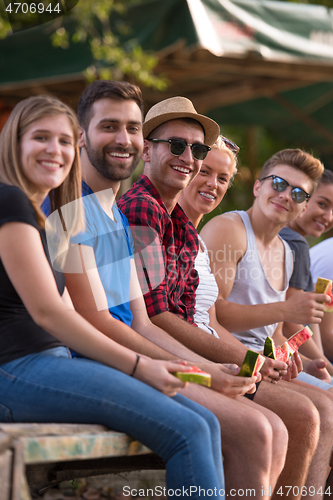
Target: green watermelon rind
point(250, 363)
point(269, 348)
point(196, 378)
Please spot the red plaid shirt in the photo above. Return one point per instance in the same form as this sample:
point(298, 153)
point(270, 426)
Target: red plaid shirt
point(165, 249)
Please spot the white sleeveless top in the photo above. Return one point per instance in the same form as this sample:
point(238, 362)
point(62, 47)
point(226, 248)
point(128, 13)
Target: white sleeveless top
point(251, 285)
point(207, 291)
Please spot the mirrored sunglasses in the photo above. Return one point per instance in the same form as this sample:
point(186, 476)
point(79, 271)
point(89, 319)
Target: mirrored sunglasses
point(298, 195)
point(178, 146)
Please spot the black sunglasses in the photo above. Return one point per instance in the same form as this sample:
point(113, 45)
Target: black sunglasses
point(298, 195)
point(230, 145)
point(178, 146)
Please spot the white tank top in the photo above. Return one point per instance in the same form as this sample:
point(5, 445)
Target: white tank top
point(207, 291)
point(251, 286)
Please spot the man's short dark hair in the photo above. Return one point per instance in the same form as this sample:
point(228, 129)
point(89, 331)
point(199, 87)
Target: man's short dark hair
point(101, 89)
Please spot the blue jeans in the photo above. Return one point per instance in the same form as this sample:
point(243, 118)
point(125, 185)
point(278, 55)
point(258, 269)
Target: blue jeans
point(52, 387)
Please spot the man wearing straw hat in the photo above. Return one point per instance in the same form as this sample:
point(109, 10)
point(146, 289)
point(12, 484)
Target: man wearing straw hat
point(176, 140)
point(111, 139)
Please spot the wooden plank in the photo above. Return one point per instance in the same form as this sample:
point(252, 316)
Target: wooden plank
point(18, 430)
point(6, 459)
point(5, 441)
point(41, 474)
point(20, 490)
point(43, 449)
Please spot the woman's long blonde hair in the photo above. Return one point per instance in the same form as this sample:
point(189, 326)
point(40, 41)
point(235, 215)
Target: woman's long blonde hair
point(23, 115)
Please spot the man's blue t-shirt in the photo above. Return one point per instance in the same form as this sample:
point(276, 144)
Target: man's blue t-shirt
point(113, 249)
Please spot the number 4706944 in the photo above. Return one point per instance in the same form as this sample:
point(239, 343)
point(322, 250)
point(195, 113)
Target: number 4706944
point(32, 8)
point(310, 491)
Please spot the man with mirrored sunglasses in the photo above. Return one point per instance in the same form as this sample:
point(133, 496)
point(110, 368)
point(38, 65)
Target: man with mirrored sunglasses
point(285, 184)
point(252, 267)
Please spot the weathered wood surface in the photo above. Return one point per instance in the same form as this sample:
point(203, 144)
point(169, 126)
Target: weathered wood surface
point(6, 458)
point(39, 454)
point(44, 443)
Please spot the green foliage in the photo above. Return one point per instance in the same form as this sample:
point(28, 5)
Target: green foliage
point(5, 27)
point(89, 21)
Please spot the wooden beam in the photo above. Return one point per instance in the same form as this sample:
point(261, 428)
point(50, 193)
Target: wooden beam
point(310, 71)
point(225, 95)
point(244, 91)
point(303, 117)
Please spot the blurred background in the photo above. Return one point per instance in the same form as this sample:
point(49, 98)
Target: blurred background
point(262, 69)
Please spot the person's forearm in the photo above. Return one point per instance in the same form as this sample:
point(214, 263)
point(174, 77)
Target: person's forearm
point(238, 317)
point(126, 336)
point(199, 341)
point(73, 330)
point(165, 341)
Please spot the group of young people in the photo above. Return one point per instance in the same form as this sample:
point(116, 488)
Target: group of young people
point(135, 294)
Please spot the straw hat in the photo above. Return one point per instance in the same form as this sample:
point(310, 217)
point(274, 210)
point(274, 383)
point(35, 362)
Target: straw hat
point(179, 107)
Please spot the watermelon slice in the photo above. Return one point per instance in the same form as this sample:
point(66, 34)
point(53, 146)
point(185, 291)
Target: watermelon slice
point(283, 353)
point(252, 364)
point(296, 340)
point(194, 374)
point(325, 286)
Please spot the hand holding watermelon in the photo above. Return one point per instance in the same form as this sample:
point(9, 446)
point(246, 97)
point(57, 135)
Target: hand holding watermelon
point(303, 308)
point(294, 368)
point(225, 379)
point(158, 374)
point(273, 370)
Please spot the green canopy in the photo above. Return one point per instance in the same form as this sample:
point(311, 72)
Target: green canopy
point(241, 62)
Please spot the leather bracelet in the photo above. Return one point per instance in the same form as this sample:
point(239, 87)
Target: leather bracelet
point(136, 365)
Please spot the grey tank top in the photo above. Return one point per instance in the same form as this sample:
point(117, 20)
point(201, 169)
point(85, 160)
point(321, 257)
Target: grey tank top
point(251, 285)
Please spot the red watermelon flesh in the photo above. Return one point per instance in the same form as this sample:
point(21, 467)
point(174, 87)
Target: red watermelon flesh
point(281, 354)
point(299, 338)
point(193, 369)
point(259, 364)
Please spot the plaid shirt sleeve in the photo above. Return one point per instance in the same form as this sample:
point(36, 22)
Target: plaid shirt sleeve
point(146, 221)
point(189, 295)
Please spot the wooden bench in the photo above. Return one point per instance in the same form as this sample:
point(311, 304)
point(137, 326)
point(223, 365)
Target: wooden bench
point(40, 455)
